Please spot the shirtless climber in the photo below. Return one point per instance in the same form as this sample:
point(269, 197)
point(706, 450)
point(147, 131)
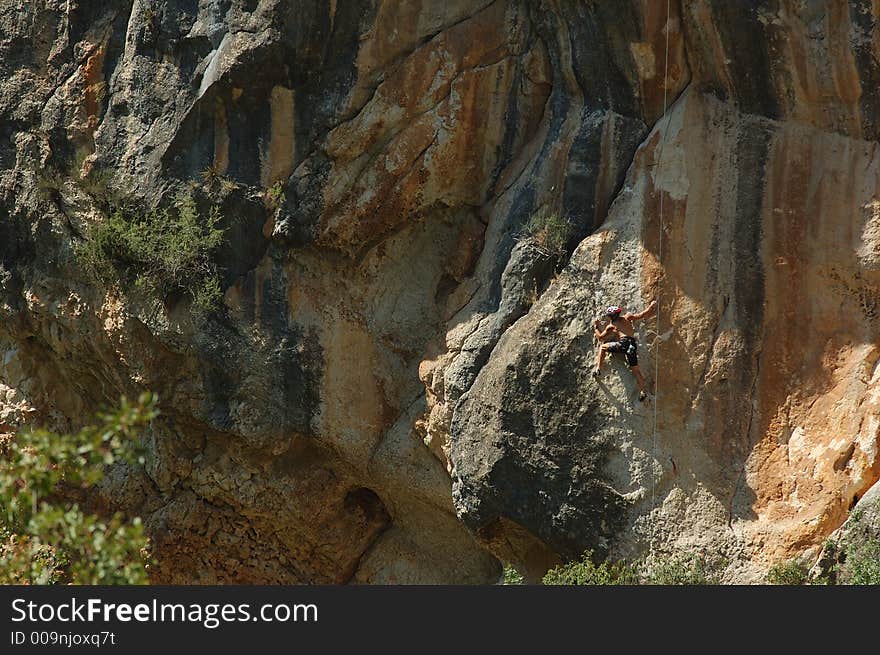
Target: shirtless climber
point(620, 326)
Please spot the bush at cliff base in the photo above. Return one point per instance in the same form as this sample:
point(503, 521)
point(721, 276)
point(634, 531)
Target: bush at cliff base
point(47, 539)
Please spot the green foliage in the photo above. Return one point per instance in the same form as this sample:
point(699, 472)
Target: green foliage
point(862, 562)
point(829, 546)
point(852, 560)
point(684, 569)
point(856, 562)
point(855, 559)
point(162, 252)
point(586, 572)
point(211, 175)
point(215, 183)
point(274, 196)
point(549, 232)
point(45, 539)
point(511, 575)
point(681, 569)
point(227, 186)
point(792, 572)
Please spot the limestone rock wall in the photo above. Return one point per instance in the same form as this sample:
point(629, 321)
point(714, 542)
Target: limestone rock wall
point(765, 357)
point(396, 386)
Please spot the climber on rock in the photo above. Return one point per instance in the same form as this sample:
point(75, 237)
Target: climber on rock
point(620, 326)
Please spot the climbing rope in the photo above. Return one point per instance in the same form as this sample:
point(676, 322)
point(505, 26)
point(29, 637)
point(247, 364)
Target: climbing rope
point(657, 339)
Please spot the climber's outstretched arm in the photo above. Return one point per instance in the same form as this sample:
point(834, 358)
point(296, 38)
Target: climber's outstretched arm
point(647, 312)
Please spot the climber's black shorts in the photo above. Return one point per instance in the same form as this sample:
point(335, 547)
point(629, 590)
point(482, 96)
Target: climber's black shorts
point(628, 346)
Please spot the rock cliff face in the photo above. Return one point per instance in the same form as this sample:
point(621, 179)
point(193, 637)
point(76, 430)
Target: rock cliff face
point(396, 387)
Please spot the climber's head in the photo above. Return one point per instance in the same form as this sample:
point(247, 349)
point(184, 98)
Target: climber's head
point(613, 312)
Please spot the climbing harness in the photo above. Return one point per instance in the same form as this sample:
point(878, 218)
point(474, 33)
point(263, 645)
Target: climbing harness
point(657, 338)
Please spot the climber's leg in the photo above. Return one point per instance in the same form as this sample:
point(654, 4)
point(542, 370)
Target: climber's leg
point(600, 357)
point(640, 379)
point(632, 359)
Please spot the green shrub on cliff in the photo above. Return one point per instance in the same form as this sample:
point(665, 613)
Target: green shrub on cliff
point(45, 536)
point(678, 569)
point(163, 252)
point(863, 563)
point(860, 561)
point(511, 576)
point(792, 573)
point(549, 232)
point(684, 569)
point(586, 571)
